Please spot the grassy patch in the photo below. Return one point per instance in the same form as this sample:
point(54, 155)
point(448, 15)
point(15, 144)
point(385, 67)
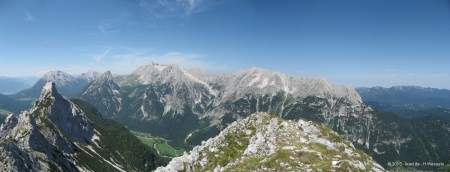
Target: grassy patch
point(235, 145)
point(148, 142)
point(133, 94)
point(161, 144)
point(277, 158)
point(328, 133)
point(248, 165)
point(166, 149)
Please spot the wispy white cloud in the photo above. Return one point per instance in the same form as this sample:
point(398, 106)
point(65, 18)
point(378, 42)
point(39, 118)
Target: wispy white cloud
point(175, 8)
point(105, 27)
point(124, 60)
point(189, 61)
point(28, 16)
point(99, 57)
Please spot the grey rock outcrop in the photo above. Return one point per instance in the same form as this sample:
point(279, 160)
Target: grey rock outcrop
point(262, 142)
point(43, 138)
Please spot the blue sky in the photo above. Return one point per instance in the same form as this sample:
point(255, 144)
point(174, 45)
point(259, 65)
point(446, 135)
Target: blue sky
point(352, 42)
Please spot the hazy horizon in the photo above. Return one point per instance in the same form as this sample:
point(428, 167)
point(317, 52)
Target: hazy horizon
point(35, 78)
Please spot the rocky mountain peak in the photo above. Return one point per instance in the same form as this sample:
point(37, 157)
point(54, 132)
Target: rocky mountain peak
point(59, 77)
point(265, 82)
point(159, 73)
point(262, 142)
point(68, 85)
point(53, 109)
point(57, 135)
point(45, 134)
point(104, 77)
point(105, 80)
point(107, 76)
point(49, 89)
point(90, 76)
point(104, 93)
point(155, 67)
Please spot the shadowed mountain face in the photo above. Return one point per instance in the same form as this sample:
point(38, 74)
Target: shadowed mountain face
point(191, 106)
point(57, 135)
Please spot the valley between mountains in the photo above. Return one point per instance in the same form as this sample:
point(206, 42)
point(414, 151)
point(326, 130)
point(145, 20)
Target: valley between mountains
point(239, 115)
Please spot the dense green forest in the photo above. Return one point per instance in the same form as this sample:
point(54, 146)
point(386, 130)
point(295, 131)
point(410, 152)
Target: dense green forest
point(119, 139)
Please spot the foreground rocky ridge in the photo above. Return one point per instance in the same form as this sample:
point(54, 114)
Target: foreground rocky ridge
point(262, 142)
point(56, 135)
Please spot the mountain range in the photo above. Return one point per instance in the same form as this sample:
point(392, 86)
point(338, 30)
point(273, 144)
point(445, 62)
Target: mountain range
point(409, 101)
point(67, 84)
point(190, 106)
point(408, 97)
point(58, 135)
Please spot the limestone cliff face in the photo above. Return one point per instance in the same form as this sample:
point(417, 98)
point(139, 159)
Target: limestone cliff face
point(262, 142)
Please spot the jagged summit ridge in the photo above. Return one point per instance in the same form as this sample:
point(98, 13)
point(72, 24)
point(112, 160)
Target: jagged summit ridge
point(42, 137)
point(90, 75)
point(107, 78)
point(252, 81)
point(49, 87)
point(62, 79)
point(266, 143)
point(59, 77)
point(263, 82)
point(104, 93)
point(158, 73)
point(63, 114)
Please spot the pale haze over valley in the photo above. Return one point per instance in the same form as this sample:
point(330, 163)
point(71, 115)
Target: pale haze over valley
point(358, 43)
